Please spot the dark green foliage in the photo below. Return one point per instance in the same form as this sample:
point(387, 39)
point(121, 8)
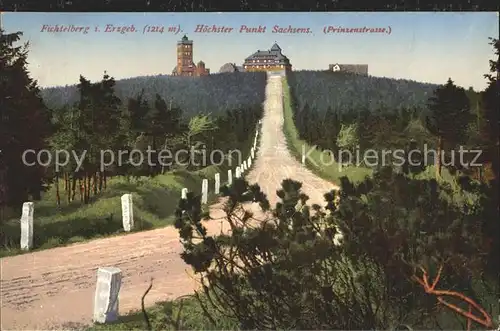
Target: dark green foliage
point(490, 109)
point(490, 106)
point(24, 125)
point(349, 93)
point(420, 222)
point(381, 107)
point(482, 133)
point(213, 94)
point(495, 63)
point(400, 223)
point(285, 270)
point(449, 113)
point(413, 161)
point(283, 273)
point(448, 119)
point(100, 112)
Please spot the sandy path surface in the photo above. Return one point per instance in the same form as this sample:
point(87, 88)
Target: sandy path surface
point(54, 288)
point(273, 161)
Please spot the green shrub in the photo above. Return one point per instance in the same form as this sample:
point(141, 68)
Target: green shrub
point(287, 271)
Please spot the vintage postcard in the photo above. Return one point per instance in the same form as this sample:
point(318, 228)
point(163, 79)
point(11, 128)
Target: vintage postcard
point(348, 161)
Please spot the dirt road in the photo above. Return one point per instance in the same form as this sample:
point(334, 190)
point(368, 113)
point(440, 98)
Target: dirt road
point(274, 162)
point(54, 288)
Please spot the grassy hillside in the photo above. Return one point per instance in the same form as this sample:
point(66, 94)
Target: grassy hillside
point(155, 200)
point(330, 172)
point(214, 93)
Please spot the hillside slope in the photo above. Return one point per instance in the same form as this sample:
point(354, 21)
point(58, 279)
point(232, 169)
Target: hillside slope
point(208, 94)
point(347, 93)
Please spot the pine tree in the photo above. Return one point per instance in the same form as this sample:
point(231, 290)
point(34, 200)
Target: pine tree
point(330, 129)
point(448, 117)
point(100, 125)
point(138, 108)
point(489, 111)
point(67, 137)
point(24, 125)
point(163, 120)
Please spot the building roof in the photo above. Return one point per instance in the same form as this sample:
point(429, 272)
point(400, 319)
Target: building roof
point(276, 48)
point(229, 67)
point(273, 54)
point(355, 68)
point(185, 41)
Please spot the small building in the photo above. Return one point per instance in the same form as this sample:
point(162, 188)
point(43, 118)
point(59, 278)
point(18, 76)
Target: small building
point(230, 67)
point(360, 69)
point(201, 70)
point(185, 64)
point(270, 60)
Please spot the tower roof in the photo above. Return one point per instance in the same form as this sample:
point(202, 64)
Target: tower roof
point(275, 47)
point(185, 41)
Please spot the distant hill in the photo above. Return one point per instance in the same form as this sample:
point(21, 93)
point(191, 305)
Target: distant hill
point(208, 94)
point(344, 92)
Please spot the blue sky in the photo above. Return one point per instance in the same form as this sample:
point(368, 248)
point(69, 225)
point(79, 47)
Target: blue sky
point(428, 47)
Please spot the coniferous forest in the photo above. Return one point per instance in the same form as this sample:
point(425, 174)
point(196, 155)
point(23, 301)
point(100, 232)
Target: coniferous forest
point(324, 101)
point(214, 93)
